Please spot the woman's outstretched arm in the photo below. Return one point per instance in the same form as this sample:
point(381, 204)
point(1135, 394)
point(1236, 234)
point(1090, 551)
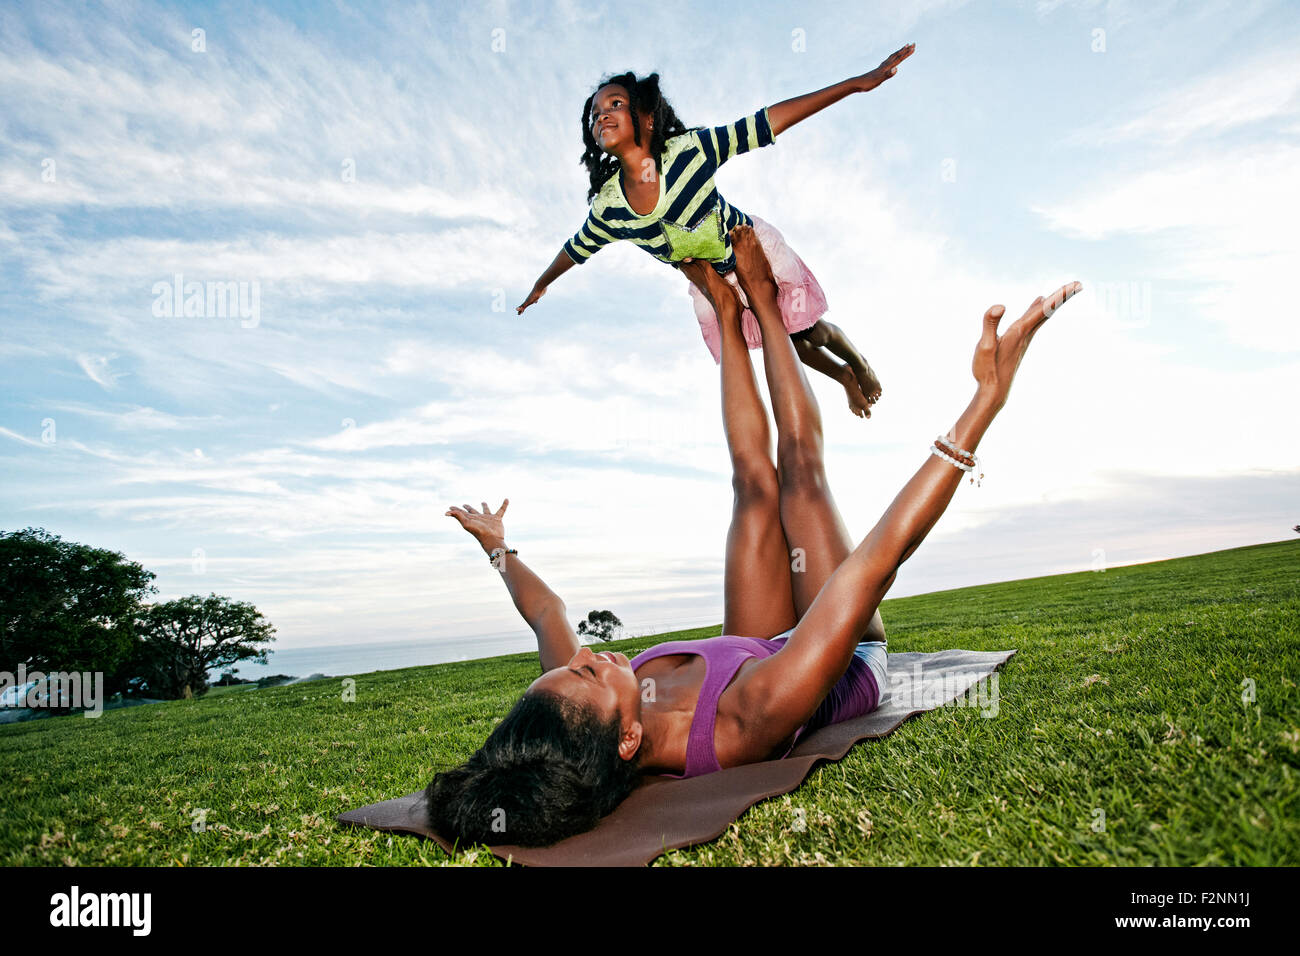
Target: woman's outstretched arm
point(785, 114)
point(539, 606)
point(799, 676)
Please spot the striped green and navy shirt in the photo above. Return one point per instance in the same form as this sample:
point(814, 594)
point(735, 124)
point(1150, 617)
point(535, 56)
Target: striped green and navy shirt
point(686, 193)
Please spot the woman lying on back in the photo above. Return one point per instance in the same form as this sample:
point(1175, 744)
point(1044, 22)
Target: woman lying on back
point(800, 649)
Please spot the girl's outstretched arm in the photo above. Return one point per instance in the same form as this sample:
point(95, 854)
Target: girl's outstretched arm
point(788, 112)
point(586, 242)
point(558, 267)
point(537, 604)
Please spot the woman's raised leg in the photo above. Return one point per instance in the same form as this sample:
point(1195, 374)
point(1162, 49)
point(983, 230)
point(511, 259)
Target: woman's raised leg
point(757, 595)
point(814, 530)
point(789, 686)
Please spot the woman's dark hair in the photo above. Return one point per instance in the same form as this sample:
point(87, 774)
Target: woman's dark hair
point(549, 770)
point(643, 97)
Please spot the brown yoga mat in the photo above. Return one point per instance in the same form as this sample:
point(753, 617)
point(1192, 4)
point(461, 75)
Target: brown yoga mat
point(664, 813)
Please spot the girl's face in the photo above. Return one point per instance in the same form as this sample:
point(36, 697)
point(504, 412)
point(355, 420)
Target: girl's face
point(611, 120)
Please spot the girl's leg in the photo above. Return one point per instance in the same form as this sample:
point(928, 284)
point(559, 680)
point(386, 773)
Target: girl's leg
point(831, 337)
point(756, 577)
point(813, 527)
point(816, 358)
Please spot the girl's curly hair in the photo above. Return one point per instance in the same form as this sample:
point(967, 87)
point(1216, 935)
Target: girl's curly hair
point(643, 97)
point(549, 770)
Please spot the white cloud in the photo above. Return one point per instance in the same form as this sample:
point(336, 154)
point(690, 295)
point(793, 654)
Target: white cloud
point(1213, 214)
point(597, 412)
point(97, 368)
point(447, 258)
point(10, 433)
point(1223, 226)
point(136, 417)
point(264, 117)
point(1263, 87)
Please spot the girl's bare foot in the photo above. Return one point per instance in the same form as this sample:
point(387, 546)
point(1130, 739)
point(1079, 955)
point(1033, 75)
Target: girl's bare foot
point(867, 381)
point(859, 404)
point(831, 337)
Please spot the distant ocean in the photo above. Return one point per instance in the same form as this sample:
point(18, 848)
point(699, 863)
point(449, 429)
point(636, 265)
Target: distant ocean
point(340, 660)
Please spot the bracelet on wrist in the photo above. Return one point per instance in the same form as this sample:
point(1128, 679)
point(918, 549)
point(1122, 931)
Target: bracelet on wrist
point(966, 466)
point(497, 556)
point(960, 452)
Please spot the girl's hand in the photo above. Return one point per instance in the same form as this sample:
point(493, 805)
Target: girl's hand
point(537, 293)
point(869, 81)
point(484, 525)
point(997, 357)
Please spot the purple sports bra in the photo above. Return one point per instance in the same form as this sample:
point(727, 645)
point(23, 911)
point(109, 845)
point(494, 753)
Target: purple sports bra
point(855, 693)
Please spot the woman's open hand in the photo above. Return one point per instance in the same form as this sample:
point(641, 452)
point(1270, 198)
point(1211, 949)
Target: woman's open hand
point(485, 525)
point(887, 68)
point(997, 357)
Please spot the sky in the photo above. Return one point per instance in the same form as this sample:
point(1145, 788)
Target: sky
point(379, 187)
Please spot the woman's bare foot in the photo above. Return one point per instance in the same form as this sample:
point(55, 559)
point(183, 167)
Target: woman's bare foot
point(997, 357)
point(720, 293)
point(752, 265)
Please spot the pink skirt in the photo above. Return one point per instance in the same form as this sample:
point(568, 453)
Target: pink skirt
point(798, 293)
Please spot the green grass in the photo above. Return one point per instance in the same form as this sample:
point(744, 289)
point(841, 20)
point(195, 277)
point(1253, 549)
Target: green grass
point(1125, 696)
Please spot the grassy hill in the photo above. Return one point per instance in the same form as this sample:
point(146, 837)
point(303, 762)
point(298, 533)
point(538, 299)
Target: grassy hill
point(1126, 698)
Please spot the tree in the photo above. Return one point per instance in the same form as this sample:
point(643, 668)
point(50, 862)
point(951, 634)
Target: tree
point(187, 637)
point(601, 624)
point(66, 606)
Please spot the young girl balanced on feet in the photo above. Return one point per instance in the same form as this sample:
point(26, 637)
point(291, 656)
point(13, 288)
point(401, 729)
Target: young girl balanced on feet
point(652, 184)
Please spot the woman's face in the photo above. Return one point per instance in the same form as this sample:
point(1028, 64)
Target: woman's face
point(605, 682)
point(611, 119)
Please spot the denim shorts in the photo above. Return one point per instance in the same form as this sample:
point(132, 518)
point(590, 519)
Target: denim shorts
point(874, 653)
